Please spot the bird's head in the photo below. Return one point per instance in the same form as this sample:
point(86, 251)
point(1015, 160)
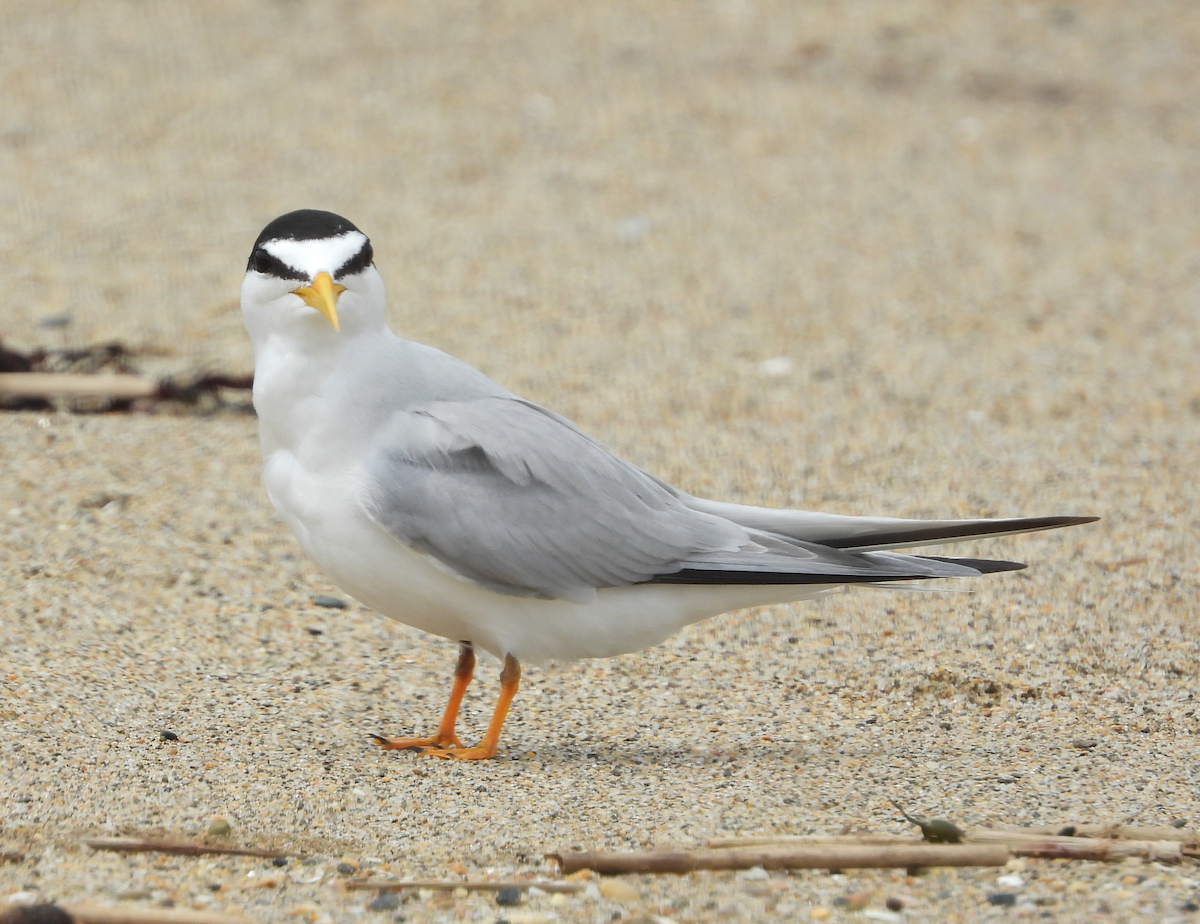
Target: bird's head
point(311, 272)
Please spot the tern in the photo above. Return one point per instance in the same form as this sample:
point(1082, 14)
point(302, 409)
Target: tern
point(440, 499)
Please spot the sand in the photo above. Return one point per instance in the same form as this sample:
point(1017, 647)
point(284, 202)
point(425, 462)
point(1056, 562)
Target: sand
point(917, 259)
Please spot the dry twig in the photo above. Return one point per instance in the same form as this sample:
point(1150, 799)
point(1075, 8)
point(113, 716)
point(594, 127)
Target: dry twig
point(1048, 846)
point(123, 914)
point(449, 885)
point(75, 385)
point(1023, 842)
point(1125, 832)
point(813, 840)
point(819, 856)
point(151, 845)
point(1125, 563)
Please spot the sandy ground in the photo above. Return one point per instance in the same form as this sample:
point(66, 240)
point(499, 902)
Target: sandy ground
point(913, 258)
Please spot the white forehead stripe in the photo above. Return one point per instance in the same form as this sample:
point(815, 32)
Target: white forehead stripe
point(311, 257)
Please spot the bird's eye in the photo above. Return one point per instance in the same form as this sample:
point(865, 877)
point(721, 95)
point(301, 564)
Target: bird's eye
point(261, 261)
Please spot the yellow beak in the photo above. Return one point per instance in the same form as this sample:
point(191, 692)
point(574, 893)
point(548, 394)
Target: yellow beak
point(323, 295)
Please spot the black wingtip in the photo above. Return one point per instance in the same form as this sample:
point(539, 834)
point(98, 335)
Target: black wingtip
point(967, 529)
point(706, 576)
point(982, 565)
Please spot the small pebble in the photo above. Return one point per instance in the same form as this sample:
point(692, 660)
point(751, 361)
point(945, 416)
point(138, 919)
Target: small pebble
point(279, 861)
point(1002, 899)
point(219, 827)
point(618, 890)
point(384, 901)
point(308, 876)
point(894, 904)
point(776, 367)
point(333, 603)
point(877, 914)
point(168, 735)
point(345, 868)
point(1084, 743)
point(820, 913)
point(855, 901)
point(1012, 881)
point(1179, 823)
point(507, 898)
point(755, 873)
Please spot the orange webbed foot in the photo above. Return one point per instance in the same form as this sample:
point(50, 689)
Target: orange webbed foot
point(479, 752)
point(433, 742)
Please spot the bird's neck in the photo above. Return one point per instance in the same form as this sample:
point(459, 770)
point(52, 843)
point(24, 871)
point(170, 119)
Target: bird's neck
point(297, 386)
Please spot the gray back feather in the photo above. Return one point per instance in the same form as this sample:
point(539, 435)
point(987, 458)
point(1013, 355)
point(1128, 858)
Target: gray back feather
point(518, 499)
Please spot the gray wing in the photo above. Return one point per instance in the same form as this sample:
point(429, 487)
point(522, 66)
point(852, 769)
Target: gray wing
point(516, 498)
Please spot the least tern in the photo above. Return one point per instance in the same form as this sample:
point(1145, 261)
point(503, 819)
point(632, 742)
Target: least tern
point(444, 501)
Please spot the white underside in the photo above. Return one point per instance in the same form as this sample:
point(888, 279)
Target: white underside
point(420, 591)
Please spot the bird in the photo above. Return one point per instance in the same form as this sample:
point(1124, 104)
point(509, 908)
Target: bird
point(442, 500)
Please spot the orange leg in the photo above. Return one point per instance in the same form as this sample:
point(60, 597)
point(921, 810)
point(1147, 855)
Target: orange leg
point(444, 737)
point(510, 678)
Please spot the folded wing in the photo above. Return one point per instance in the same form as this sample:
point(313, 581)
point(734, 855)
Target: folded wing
point(517, 499)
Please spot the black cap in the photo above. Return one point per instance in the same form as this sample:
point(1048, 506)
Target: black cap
point(305, 225)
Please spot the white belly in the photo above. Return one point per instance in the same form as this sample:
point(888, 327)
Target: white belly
point(418, 590)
